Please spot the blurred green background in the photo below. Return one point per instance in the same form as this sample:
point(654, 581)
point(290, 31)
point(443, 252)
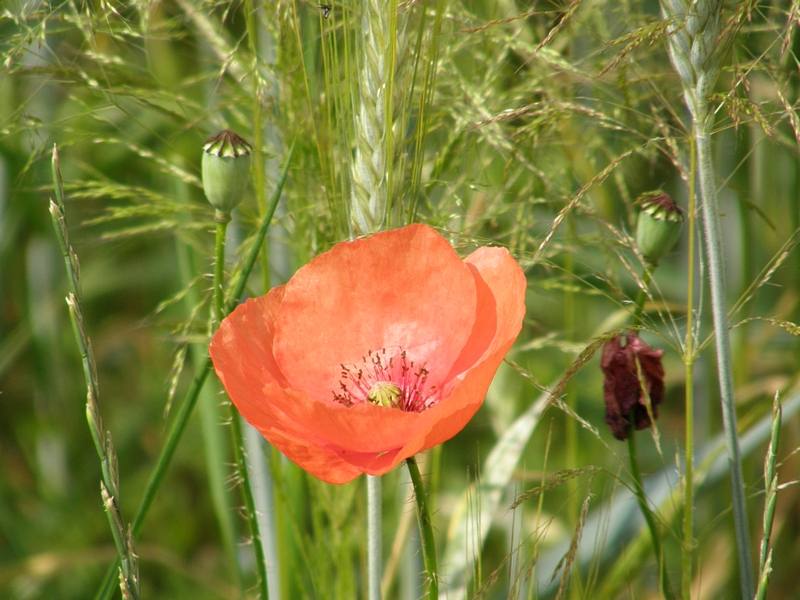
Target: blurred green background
point(532, 125)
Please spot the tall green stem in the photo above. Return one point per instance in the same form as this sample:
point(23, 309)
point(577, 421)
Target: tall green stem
point(219, 269)
point(687, 547)
point(425, 529)
point(374, 553)
point(655, 533)
point(214, 436)
point(243, 475)
point(716, 273)
point(259, 174)
point(638, 488)
point(694, 45)
point(571, 433)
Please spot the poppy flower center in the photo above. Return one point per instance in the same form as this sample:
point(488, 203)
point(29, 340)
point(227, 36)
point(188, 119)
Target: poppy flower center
point(391, 381)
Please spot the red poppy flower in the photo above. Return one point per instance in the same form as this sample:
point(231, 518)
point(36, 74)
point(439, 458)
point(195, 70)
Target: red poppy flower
point(374, 351)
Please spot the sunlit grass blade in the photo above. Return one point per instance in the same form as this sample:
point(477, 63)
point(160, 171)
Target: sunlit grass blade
point(771, 498)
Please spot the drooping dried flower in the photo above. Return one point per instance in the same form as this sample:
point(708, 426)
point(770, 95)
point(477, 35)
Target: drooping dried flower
point(633, 373)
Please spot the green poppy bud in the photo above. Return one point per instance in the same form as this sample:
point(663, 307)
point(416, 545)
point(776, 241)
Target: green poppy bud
point(659, 227)
point(226, 171)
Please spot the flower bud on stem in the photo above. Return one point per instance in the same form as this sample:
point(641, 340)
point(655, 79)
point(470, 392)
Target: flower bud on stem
point(659, 227)
point(226, 171)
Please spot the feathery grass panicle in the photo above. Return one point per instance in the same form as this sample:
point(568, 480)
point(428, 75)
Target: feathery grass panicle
point(109, 484)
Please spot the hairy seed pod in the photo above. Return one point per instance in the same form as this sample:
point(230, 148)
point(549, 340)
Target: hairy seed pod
point(659, 227)
point(226, 171)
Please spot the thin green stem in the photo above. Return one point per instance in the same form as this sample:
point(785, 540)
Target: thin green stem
point(642, 296)
point(374, 514)
point(243, 479)
point(687, 546)
point(574, 509)
point(770, 500)
point(655, 533)
point(219, 271)
point(259, 174)
point(182, 418)
point(214, 436)
point(425, 529)
point(716, 273)
point(638, 488)
point(243, 474)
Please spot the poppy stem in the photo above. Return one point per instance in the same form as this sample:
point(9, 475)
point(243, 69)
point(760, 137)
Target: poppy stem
point(646, 277)
point(219, 274)
point(193, 393)
point(425, 529)
point(243, 474)
point(638, 490)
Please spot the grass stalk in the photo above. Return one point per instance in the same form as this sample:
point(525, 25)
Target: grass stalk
point(694, 50)
point(771, 498)
point(425, 529)
point(687, 545)
point(571, 433)
point(716, 272)
point(264, 498)
point(374, 554)
point(259, 174)
point(642, 296)
point(109, 484)
point(193, 393)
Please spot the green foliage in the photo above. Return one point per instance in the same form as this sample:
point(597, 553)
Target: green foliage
point(531, 126)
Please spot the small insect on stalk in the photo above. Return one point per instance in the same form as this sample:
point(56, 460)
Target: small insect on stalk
point(326, 10)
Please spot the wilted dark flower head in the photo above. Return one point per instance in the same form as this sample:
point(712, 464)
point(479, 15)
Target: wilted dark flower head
point(622, 387)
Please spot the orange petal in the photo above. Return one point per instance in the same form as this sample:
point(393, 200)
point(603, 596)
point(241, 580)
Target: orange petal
point(358, 428)
point(405, 288)
point(506, 279)
point(243, 345)
point(268, 344)
point(293, 439)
